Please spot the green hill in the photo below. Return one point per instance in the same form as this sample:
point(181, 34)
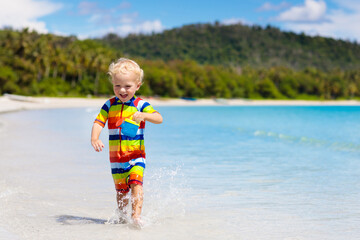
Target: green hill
point(240, 45)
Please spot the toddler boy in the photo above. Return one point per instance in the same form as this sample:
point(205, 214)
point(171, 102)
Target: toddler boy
point(127, 153)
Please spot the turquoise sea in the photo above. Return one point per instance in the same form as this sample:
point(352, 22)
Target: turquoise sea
point(217, 172)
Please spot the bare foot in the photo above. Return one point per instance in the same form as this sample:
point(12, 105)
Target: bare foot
point(138, 223)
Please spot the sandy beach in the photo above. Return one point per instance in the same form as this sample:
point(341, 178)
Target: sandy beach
point(290, 171)
point(10, 103)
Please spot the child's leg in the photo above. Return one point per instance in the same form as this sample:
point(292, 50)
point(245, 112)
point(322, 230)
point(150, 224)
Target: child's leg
point(137, 197)
point(122, 201)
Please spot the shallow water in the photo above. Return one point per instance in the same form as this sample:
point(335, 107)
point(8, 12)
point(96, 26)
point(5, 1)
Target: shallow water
point(212, 172)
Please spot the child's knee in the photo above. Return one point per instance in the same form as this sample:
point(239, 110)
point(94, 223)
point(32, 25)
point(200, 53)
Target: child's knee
point(136, 187)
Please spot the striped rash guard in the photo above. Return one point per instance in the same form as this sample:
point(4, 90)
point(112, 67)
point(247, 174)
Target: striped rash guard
point(127, 154)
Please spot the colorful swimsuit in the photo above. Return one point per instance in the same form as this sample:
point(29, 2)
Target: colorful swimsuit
point(127, 154)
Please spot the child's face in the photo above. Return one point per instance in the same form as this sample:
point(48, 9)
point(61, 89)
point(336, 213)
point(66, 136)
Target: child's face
point(125, 86)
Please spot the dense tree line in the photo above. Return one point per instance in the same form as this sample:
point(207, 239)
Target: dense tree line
point(189, 79)
point(240, 45)
point(45, 64)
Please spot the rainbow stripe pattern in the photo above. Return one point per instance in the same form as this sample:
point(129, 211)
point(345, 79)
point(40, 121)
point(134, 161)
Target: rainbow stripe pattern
point(127, 154)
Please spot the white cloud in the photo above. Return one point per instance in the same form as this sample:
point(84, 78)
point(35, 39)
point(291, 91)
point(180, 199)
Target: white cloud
point(232, 21)
point(144, 27)
point(124, 30)
point(150, 26)
point(25, 13)
point(311, 11)
point(115, 20)
point(341, 22)
point(106, 16)
point(128, 18)
point(272, 7)
point(341, 25)
point(95, 18)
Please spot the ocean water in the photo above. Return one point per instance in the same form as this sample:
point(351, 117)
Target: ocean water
point(212, 173)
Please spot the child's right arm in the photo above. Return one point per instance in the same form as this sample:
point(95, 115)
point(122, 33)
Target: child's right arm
point(95, 141)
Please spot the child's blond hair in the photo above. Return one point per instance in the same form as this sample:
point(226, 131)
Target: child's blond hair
point(124, 66)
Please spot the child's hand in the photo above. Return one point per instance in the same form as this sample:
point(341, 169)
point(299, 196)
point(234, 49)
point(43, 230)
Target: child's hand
point(97, 145)
point(138, 117)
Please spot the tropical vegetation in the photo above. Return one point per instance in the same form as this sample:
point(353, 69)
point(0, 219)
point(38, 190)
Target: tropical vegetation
point(50, 65)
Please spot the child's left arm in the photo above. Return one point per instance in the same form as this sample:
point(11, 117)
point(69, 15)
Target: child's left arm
point(150, 117)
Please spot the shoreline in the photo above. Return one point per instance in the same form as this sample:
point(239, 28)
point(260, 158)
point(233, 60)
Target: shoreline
point(11, 103)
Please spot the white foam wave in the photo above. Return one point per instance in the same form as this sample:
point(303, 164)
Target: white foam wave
point(337, 146)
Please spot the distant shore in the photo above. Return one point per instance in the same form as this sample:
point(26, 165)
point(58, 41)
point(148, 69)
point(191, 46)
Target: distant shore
point(10, 103)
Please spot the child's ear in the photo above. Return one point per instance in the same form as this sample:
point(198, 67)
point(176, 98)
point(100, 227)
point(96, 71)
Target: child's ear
point(138, 86)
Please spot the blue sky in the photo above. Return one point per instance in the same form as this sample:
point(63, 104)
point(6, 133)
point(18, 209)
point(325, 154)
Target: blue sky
point(94, 18)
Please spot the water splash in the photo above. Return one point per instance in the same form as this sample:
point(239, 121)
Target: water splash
point(165, 195)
